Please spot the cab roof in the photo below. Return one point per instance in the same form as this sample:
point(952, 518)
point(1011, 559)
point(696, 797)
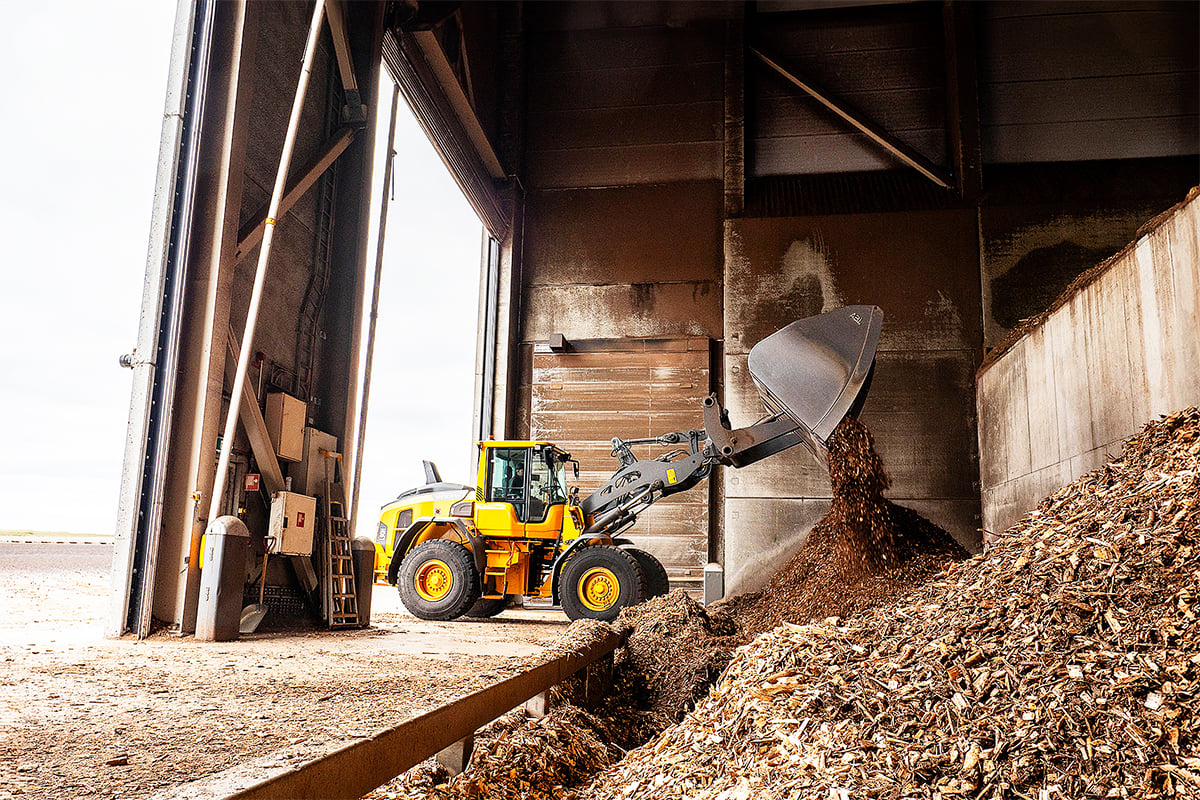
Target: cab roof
point(516, 443)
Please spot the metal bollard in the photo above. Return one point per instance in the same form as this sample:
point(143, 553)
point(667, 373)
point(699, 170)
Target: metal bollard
point(364, 577)
point(714, 583)
point(222, 580)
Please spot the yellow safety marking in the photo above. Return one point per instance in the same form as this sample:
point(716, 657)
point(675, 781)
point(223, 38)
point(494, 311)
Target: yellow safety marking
point(270, 220)
point(670, 476)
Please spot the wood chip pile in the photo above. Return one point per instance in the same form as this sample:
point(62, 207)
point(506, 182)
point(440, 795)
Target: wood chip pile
point(675, 650)
point(1064, 663)
point(517, 758)
point(864, 552)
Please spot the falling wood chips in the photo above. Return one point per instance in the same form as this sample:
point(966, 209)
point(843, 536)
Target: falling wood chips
point(1062, 663)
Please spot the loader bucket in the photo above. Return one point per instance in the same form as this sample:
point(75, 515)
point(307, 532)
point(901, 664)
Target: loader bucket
point(817, 370)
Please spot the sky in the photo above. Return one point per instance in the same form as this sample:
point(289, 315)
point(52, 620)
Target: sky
point(80, 139)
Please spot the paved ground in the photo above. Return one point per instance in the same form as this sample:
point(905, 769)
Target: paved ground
point(167, 710)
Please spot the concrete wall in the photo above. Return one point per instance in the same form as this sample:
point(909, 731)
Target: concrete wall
point(1116, 354)
point(922, 269)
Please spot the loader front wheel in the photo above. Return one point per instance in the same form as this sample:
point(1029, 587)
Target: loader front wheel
point(657, 582)
point(598, 581)
point(438, 580)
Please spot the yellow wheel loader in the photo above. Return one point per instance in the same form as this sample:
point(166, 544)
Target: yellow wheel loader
point(455, 550)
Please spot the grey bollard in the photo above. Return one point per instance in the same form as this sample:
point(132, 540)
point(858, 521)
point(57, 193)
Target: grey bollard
point(714, 583)
point(364, 577)
point(222, 580)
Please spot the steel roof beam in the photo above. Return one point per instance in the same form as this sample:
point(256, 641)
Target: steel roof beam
point(860, 121)
point(252, 234)
point(355, 113)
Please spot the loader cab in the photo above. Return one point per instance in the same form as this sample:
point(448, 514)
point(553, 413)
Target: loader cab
point(523, 487)
point(529, 476)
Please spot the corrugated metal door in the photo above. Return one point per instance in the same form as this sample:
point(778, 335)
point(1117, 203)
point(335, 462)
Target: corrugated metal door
point(631, 388)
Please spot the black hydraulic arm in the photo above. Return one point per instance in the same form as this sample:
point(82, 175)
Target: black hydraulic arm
point(639, 483)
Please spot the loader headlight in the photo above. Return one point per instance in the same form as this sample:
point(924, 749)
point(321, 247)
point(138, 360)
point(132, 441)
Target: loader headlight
point(463, 508)
point(381, 534)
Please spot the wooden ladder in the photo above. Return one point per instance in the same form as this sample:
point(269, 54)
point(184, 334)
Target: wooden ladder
point(341, 598)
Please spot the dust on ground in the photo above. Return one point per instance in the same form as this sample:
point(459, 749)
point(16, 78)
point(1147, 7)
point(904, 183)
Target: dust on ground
point(168, 710)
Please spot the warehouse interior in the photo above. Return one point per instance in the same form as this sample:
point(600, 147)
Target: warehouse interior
point(665, 184)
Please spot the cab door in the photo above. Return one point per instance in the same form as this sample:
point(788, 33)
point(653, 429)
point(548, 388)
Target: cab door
point(506, 493)
point(547, 495)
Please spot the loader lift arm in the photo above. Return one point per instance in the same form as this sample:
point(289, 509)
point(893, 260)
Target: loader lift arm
point(811, 374)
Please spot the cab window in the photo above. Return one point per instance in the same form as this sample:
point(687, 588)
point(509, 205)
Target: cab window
point(548, 484)
point(507, 478)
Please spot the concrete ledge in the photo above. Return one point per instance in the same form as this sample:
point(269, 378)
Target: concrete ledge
point(350, 770)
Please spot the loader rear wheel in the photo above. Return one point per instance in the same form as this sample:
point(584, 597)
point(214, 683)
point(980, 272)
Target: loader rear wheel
point(657, 583)
point(486, 607)
point(438, 580)
point(598, 581)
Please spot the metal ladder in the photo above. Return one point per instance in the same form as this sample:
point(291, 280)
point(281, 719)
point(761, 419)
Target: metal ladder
point(341, 598)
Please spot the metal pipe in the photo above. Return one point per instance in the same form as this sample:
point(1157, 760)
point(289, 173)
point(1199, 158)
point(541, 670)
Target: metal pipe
point(383, 214)
point(264, 253)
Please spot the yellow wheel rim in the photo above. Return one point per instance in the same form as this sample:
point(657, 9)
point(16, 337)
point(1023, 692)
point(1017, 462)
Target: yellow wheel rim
point(599, 589)
point(433, 580)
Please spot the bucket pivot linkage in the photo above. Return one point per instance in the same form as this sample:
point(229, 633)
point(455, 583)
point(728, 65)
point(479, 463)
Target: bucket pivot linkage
point(811, 375)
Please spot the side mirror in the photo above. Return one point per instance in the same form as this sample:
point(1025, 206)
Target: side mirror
point(575, 469)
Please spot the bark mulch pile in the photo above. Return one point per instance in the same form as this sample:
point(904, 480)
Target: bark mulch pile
point(1063, 663)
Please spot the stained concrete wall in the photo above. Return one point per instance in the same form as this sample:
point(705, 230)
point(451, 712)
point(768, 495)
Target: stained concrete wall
point(922, 269)
point(1119, 352)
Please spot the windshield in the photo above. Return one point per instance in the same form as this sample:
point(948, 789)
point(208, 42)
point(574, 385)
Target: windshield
point(549, 484)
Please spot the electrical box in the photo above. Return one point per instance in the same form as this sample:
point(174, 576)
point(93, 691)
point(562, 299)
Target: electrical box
point(293, 522)
point(309, 476)
point(285, 419)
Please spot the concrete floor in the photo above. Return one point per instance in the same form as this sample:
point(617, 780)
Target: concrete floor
point(171, 709)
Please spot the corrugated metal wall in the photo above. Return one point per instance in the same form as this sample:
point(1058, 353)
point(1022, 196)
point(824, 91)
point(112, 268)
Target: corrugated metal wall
point(637, 101)
point(1082, 81)
point(885, 61)
point(630, 388)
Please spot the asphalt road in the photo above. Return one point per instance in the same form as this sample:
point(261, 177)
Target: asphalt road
point(36, 559)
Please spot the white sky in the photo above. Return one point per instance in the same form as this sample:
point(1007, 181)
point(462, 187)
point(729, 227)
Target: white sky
point(82, 114)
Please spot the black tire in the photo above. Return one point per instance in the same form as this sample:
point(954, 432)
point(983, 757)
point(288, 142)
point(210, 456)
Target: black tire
point(599, 581)
point(657, 583)
point(486, 607)
point(438, 580)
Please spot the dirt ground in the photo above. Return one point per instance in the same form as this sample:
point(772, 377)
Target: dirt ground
point(88, 717)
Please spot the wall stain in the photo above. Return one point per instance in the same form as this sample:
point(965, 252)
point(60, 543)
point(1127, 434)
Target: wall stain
point(803, 287)
point(1038, 277)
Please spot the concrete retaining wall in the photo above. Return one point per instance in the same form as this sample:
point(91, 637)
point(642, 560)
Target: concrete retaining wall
point(1117, 353)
